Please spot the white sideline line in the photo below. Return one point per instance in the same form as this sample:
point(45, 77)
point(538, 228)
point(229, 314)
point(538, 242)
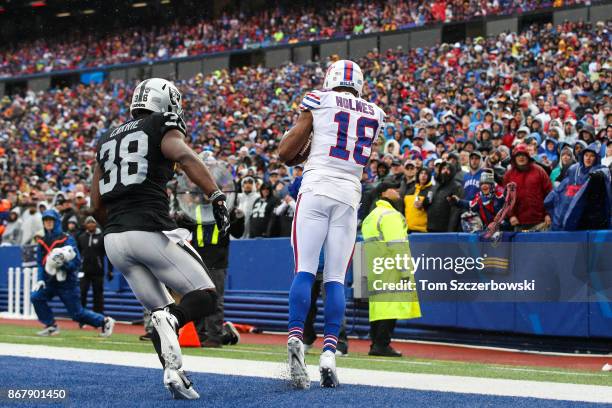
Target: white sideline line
point(262, 369)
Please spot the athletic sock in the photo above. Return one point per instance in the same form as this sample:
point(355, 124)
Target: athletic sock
point(299, 303)
point(334, 314)
point(194, 305)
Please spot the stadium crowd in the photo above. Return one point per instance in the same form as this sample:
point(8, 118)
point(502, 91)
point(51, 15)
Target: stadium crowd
point(464, 121)
point(271, 27)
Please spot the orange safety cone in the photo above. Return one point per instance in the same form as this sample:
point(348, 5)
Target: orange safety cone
point(188, 337)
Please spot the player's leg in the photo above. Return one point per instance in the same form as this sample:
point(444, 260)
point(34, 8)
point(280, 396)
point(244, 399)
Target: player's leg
point(307, 237)
point(70, 296)
point(40, 299)
point(153, 295)
point(179, 267)
point(339, 247)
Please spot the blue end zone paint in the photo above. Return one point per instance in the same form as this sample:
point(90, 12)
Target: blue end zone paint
point(96, 385)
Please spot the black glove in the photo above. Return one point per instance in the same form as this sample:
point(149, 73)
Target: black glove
point(220, 212)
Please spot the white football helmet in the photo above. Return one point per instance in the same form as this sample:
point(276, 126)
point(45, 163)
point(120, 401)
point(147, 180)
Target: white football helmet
point(344, 73)
point(157, 95)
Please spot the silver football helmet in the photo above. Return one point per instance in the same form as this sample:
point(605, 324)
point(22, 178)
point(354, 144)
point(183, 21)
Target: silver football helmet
point(157, 95)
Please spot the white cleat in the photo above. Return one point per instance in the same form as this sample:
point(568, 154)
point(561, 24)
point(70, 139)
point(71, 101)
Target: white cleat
point(49, 331)
point(297, 365)
point(327, 368)
point(107, 328)
point(606, 367)
point(179, 385)
point(166, 326)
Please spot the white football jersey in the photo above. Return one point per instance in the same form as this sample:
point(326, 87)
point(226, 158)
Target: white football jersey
point(344, 128)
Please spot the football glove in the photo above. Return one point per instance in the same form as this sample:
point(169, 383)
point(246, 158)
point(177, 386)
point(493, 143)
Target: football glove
point(220, 212)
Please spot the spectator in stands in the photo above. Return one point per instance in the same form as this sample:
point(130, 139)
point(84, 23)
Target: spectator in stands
point(607, 160)
point(583, 200)
point(285, 212)
point(416, 215)
point(177, 39)
point(68, 214)
point(532, 186)
point(262, 216)
point(484, 206)
point(13, 229)
point(246, 200)
point(90, 243)
point(471, 179)
point(32, 224)
point(567, 160)
point(58, 262)
point(441, 215)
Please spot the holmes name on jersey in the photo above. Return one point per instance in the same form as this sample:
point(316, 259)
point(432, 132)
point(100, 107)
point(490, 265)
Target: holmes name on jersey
point(354, 105)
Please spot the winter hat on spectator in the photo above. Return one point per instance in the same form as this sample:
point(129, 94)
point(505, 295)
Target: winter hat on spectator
point(523, 129)
point(89, 220)
point(521, 149)
point(588, 129)
point(487, 177)
point(476, 153)
point(386, 185)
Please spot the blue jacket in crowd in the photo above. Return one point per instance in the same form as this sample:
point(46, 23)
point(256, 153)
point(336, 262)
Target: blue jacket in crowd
point(471, 184)
point(569, 201)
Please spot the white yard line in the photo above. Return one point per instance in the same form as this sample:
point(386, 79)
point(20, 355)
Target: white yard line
point(262, 369)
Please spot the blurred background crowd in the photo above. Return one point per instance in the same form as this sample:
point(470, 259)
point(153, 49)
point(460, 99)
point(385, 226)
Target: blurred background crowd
point(189, 36)
point(464, 121)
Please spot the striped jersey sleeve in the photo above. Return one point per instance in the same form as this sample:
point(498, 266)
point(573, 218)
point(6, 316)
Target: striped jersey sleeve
point(311, 101)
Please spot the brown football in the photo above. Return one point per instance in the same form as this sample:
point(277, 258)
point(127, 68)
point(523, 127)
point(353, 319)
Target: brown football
point(302, 155)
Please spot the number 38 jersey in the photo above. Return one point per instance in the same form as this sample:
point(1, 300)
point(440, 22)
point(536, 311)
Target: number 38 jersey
point(135, 174)
point(344, 128)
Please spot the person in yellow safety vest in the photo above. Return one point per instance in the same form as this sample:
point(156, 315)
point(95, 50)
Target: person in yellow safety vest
point(214, 250)
point(386, 224)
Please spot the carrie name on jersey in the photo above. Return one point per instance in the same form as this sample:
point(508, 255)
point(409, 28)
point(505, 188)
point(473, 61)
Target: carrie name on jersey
point(135, 174)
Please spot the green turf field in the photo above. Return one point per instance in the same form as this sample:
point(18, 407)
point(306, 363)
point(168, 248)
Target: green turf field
point(89, 339)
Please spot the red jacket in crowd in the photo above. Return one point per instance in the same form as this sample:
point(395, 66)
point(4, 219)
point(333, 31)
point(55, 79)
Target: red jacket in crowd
point(532, 187)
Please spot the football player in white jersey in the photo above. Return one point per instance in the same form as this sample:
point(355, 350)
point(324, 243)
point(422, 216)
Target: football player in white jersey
point(343, 127)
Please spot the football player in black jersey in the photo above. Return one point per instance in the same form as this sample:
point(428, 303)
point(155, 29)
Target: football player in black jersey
point(134, 163)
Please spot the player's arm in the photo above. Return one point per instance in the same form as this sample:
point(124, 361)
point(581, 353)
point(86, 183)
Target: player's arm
point(174, 148)
point(99, 211)
point(296, 137)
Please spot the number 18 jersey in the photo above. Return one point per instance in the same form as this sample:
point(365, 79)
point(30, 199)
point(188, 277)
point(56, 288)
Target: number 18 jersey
point(135, 174)
point(344, 128)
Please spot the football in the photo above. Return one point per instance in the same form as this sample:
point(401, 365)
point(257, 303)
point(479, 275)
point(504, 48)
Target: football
point(302, 155)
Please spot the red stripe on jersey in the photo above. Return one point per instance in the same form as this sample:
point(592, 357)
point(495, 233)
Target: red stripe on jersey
point(313, 96)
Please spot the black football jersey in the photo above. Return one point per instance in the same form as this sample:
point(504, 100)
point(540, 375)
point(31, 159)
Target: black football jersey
point(135, 174)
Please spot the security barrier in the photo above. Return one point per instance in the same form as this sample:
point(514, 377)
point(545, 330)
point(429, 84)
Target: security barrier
point(261, 271)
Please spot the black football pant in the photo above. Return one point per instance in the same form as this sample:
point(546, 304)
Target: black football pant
point(97, 284)
point(211, 327)
point(381, 332)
